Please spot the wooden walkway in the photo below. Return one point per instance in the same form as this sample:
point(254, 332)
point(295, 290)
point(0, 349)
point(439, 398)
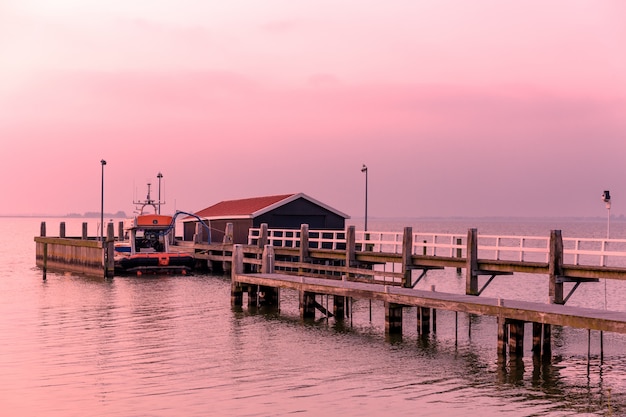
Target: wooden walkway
point(555, 314)
point(511, 315)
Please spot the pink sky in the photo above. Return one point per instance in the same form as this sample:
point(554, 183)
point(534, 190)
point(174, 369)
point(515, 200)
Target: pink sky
point(458, 108)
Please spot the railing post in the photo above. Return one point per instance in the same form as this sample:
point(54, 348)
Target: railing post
point(555, 267)
point(407, 244)
point(471, 278)
point(459, 252)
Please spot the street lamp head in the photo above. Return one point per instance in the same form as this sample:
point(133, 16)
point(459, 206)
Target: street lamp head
point(159, 175)
point(103, 162)
point(364, 169)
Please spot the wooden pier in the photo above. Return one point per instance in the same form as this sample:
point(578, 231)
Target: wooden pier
point(387, 266)
point(82, 255)
point(511, 314)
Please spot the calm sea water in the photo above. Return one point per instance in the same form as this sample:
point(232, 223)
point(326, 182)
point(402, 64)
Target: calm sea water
point(173, 346)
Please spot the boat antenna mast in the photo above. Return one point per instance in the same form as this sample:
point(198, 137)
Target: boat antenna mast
point(147, 202)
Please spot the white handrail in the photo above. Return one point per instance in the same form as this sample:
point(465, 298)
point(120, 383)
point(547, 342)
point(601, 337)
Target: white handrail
point(585, 251)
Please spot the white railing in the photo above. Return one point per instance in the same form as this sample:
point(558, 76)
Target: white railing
point(514, 248)
point(576, 251)
point(290, 238)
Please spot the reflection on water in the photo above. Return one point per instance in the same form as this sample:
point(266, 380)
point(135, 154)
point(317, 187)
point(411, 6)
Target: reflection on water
point(75, 346)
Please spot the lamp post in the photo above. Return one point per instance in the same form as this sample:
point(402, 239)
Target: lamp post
point(159, 176)
point(606, 197)
point(103, 163)
point(364, 169)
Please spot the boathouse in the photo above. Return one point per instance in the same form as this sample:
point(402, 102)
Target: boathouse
point(286, 211)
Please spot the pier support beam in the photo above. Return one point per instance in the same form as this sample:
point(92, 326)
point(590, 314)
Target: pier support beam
point(307, 305)
point(393, 318)
point(423, 320)
point(516, 338)
point(253, 296)
point(542, 344)
point(339, 307)
point(503, 336)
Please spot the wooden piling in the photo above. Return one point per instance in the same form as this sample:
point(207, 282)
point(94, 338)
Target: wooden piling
point(503, 336)
point(307, 305)
point(555, 268)
point(407, 247)
point(42, 233)
point(350, 246)
point(423, 320)
point(62, 230)
point(236, 290)
point(339, 307)
point(109, 252)
point(516, 338)
point(85, 234)
point(393, 318)
point(120, 231)
point(471, 277)
point(304, 243)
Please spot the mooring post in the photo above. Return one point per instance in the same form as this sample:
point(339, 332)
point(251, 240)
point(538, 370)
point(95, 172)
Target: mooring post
point(555, 267)
point(228, 238)
point(236, 291)
point(407, 251)
point(120, 231)
point(109, 251)
point(471, 279)
point(85, 233)
point(350, 248)
point(42, 233)
point(62, 229)
point(263, 235)
point(229, 232)
point(304, 242)
point(268, 296)
point(393, 318)
point(267, 262)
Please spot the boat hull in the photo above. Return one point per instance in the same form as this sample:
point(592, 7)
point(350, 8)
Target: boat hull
point(156, 263)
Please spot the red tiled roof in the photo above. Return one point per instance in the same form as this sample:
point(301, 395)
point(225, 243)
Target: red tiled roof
point(243, 207)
